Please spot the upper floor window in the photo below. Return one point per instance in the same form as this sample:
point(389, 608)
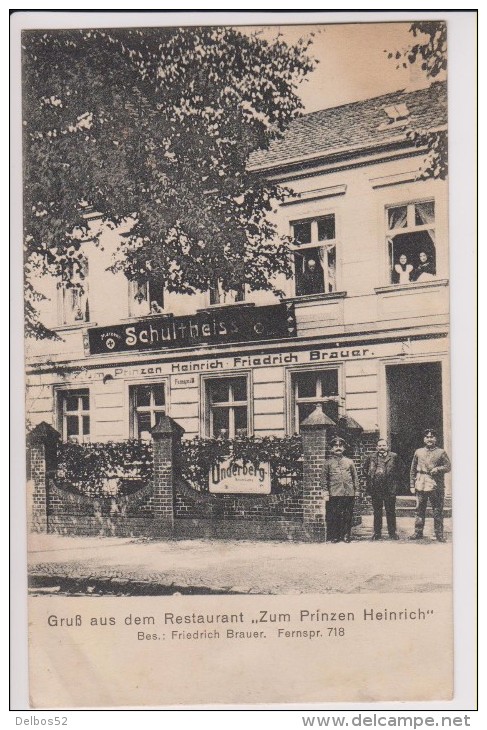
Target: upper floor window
point(73, 295)
point(147, 402)
point(315, 255)
point(146, 297)
point(74, 408)
point(227, 412)
point(219, 296)
point(312, 388)
point(411, 241)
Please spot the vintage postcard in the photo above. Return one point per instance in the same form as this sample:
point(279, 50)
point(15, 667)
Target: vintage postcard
point(237, 369)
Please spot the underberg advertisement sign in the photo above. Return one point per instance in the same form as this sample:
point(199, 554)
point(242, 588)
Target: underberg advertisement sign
point(235, 476)
point(210, 327)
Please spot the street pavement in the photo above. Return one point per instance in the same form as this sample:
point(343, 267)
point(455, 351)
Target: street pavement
point(134, 566)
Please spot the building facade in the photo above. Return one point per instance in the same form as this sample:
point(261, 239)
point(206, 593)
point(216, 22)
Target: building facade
point(363, 329)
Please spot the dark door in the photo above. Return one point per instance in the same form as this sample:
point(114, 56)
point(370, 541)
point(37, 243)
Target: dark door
point(414, 404)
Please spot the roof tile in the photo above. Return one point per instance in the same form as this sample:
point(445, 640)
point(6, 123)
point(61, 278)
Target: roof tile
point(337, 128)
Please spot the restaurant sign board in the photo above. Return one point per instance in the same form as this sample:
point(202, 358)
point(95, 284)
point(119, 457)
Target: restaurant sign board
point(219, 326)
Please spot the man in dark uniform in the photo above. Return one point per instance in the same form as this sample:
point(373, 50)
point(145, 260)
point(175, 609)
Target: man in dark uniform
point(312, 279)
point(383, 471)
point(427, 480)
point(340, 486)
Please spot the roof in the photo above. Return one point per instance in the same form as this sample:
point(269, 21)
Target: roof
point(357, 124)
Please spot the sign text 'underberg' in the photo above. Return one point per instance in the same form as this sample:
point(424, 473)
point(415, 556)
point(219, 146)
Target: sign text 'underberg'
point(236, 325)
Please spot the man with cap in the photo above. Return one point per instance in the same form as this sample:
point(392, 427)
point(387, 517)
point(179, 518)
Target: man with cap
point(428, 469)
point(340, 486)
point(383, 471)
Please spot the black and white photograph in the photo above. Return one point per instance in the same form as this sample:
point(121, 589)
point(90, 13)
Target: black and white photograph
point(237, 362)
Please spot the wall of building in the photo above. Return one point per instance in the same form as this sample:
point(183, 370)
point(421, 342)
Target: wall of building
point(358, 198)
point(361, 370)
point(360, 329)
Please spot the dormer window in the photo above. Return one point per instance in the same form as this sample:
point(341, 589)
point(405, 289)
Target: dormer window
point(397, 116)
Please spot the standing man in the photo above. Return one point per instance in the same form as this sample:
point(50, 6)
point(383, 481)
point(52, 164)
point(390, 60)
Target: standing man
point(428, 467)
point(340, 484)
point(383, 471)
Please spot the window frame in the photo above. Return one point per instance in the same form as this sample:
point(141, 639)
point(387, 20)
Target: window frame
point(132, 412)
point(61, 394)
point(206, 421)
point(313, 218)
point(132, 306)
point(64, 291)
point(219, 298)
point(291, 385)
point(410, 228)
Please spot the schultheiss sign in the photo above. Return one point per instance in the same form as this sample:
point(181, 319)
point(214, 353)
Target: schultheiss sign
point(233, 325)
point(235, 476)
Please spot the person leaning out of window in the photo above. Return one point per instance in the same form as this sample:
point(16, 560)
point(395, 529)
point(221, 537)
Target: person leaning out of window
point(402, 270)
point(425, 270)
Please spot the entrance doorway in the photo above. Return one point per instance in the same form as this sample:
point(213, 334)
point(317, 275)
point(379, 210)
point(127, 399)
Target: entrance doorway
point(414, 394)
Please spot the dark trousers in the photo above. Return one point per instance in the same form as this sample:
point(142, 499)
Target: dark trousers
point(389, 502)
point(437, 499)
point(339, 517)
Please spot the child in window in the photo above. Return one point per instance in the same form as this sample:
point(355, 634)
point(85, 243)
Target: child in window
point(403, 270)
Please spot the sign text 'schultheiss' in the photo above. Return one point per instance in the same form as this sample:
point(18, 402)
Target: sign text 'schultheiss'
point(156, 333)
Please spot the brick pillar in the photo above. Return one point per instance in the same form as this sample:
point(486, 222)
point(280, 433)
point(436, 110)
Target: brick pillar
point(166, 436)
point(41, 463)
point(314, 432)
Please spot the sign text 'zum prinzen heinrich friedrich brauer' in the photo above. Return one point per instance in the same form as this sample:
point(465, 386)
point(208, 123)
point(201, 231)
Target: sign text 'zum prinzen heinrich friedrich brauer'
point(235, 324)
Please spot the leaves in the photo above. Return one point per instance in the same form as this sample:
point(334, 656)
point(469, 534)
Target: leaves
point(89, 468)
point(435, 163)
point(156, 126)
point(430, 51)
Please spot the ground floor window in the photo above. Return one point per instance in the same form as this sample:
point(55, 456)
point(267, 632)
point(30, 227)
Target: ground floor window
point(311, 388)
point(147, 402)
point(74, 406)
point(227, 411)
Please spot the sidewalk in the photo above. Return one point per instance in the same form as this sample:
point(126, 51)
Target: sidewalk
point(126, 566)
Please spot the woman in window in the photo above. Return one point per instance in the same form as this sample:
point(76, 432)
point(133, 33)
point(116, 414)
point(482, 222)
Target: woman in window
point(403, 270)
point(426, 268)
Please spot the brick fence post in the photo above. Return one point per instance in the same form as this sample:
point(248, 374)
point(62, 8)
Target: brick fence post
point(313, 430)
point(42, 444)
point(166, 436)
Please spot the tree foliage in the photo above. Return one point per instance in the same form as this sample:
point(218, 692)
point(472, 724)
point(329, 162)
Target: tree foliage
point(155, 126)
point(429, 49)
